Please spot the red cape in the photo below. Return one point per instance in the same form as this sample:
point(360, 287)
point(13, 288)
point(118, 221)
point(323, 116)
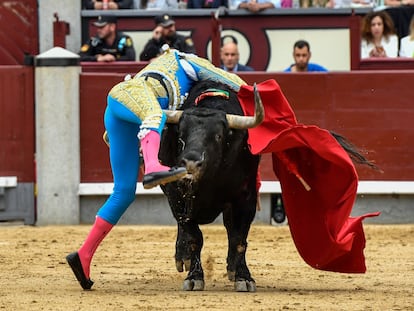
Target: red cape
point(325, 235)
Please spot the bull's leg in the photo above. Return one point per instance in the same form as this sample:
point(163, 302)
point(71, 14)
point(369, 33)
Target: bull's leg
point(188, 253)
point(238, 227)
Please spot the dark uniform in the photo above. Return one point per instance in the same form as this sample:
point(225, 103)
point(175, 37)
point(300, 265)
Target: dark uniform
point(122, 49)
point(153, 48)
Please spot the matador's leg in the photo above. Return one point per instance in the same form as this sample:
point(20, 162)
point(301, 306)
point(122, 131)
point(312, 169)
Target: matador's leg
point(138, 96)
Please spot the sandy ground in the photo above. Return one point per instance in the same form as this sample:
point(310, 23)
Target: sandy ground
point(134, 270)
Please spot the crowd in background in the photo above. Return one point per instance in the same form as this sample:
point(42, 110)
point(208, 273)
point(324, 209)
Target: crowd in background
point(111, 45)
point(251, 5)
point(378, 34)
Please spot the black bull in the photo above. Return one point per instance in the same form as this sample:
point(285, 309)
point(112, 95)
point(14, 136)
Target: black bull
point(221, 179)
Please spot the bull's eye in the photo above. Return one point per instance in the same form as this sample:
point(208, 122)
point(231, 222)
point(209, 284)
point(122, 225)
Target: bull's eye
point(181, 144)
point(218, 137)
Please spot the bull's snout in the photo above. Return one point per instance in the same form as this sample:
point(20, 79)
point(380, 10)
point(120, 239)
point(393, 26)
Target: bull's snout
point(193, 162)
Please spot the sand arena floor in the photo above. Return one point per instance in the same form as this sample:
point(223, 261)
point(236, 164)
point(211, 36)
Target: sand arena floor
point(134, 269)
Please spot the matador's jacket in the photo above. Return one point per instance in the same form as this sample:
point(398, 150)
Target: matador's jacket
point(165, 83)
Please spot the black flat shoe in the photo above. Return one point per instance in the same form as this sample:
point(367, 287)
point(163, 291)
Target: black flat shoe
point(75, 263)
point(160, 178)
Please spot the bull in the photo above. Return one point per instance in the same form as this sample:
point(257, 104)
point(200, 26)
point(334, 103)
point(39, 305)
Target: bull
point(209, 138)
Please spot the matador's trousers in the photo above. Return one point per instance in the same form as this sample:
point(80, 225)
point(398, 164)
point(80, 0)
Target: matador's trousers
point(125, 118)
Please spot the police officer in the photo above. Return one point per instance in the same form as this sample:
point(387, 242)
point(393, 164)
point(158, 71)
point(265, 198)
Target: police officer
point(109, 45)
point(165, 33)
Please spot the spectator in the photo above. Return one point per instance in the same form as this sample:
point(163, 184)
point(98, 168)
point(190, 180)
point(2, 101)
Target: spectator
point(302, 55)
point(109, 45)
point(255, 6)
point(378, 35)
point(288, 4)
point(107, 5)
point(206, 4)
point(315, 3)
point(407, 43)
point(340, 3)
point(397, 3)
point(160, 4)
point(165, 33)
point(229, 56)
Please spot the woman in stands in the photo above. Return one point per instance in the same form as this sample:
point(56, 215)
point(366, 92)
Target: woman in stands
point(378, 36)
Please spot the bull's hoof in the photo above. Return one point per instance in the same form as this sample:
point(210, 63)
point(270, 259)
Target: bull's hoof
point(193, 285)
point(245, 286)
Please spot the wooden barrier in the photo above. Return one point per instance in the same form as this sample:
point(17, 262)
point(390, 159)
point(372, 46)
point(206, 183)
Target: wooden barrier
point(387, 64)
point(372, 108)
point(8, 181)
point(17, 151)
point(267, 187)
point(19, 32)
point(123, 67)
point(17, 122)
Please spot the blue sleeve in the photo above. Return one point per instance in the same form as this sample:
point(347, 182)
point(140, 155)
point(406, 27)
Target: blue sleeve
point(317, 67)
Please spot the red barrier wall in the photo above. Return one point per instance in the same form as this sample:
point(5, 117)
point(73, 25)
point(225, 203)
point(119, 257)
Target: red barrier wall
point(18, 31)
point(17, 122)
point(374, 109)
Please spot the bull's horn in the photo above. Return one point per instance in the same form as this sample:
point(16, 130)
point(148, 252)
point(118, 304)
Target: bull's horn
point(245, 122)
point(234, 121)
point(173, 115)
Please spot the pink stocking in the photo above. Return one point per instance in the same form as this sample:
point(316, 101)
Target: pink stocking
point(98, 232)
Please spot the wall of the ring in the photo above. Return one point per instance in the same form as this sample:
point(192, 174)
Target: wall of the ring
point(394, 208)
point(373, 109)
point(154, 209)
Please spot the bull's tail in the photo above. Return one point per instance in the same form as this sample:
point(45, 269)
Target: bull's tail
point(354, 152)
